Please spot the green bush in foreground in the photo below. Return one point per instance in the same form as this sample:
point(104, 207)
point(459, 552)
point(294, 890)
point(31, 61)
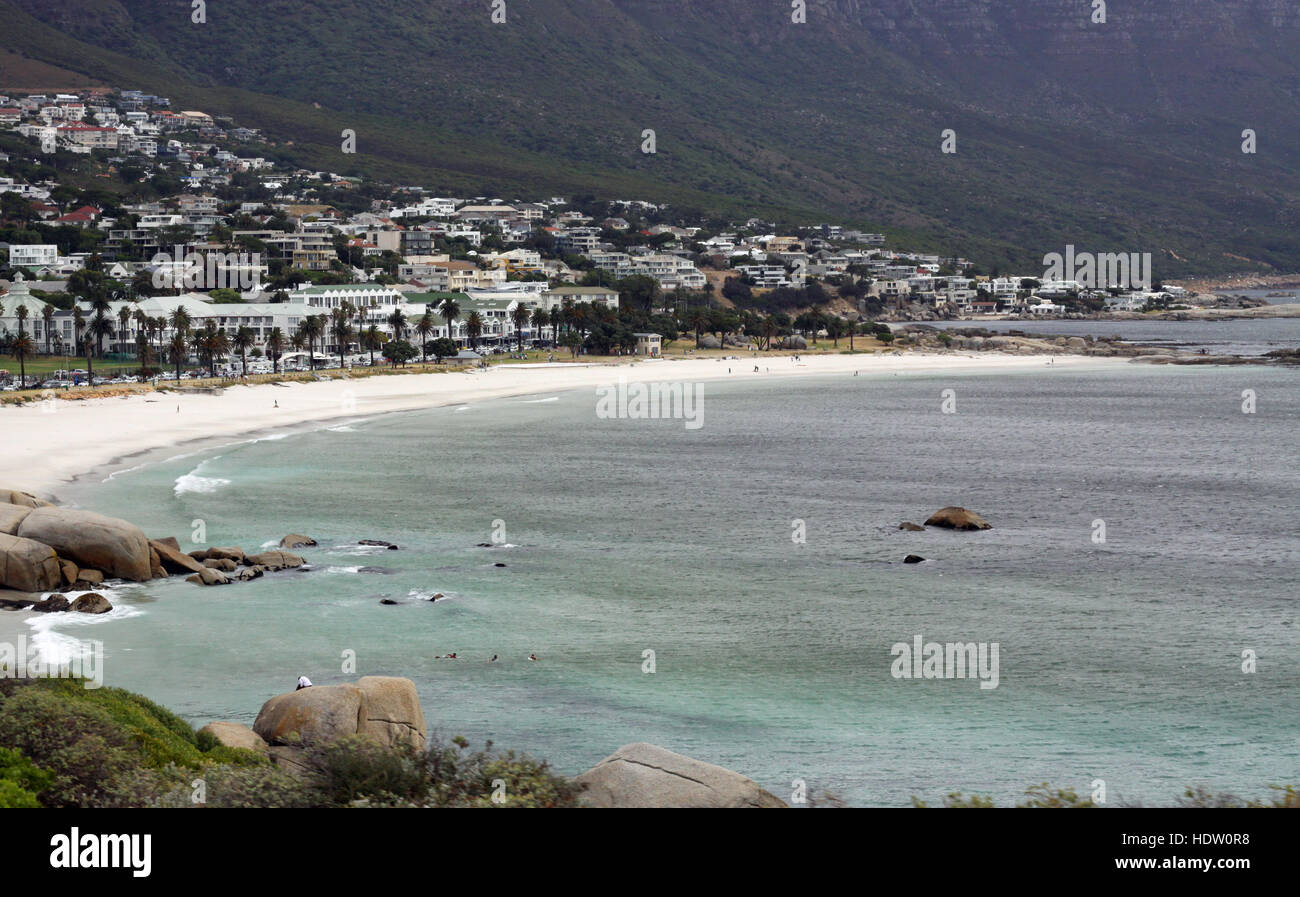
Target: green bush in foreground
point(68, 746)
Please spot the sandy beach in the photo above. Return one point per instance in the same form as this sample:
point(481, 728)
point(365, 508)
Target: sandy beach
point(47, 444)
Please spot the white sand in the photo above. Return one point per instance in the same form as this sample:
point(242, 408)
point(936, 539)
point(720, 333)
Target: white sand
point(41, 448)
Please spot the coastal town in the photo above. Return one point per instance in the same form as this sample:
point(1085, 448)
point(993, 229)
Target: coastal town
point(177, 241)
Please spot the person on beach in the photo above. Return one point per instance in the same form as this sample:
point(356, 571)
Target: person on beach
point(303, 682)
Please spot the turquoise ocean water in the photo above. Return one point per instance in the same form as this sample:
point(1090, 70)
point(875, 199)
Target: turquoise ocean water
point(1119, 661)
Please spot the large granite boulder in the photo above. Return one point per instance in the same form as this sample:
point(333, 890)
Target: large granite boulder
point(54, 604)
point(229, 553)
point(793, 341)
point(317, 714)
point(209, 577)
point(28, 565)
point(294, 540)
point(274, 560)
point(11, 516)
point(383, 708)
point(91, 603)
point(957, 518)
point(645, 775)
point(391, 711)
point(174, 560)
point(114, 546)
point(236, 735)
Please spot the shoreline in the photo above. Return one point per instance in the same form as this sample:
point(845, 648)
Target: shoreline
point(48, 447)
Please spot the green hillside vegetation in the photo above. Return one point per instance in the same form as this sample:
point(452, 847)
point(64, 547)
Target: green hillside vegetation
point(1130, 142)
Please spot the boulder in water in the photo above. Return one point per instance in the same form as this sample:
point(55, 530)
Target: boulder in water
point(294, 540)
point(913, 559)
point(957, 518)
point(911, 527)
point(209, 577)
point(172, 559)
point(90, 603)
point(274, 560)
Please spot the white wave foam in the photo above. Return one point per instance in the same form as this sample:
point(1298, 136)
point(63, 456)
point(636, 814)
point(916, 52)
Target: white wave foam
point(343, 429)
point(193, 483)
point(539, 401)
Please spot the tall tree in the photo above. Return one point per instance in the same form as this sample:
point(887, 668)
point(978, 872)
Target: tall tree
point(520, 317)
point(275, 348)
point(242, 342)
point(473, 328)
point(424, 327)
point(450, 311)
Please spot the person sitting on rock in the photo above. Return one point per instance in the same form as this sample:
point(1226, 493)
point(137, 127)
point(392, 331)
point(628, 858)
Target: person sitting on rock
point(303, 682)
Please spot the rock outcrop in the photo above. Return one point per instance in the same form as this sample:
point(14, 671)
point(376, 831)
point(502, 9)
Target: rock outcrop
point(911, 527)
point(91, 603)
point(645, 775)
point(274, 560)
point(171, 557)
point(28, 565)
point(114, 546)
point(294, 540)
point(236, 735)
point(22, 499)
point(11, 516)
point(209, 577)
point(391, 711)
point(317, 714)
point(383, 708)
point(957, 518)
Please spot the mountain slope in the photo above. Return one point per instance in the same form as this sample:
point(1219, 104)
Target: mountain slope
point(1124, 136)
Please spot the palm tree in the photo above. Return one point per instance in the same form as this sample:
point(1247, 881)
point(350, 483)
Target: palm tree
point(180, 321)
point(450, 311)
point(101, 326)
point(473, 328)
point(275, 348)
point(557, 318)
point(520, 317)
point(311, 328)
point(424, 327)
point(242, 342)
point(540, 320)
point(370, 339)
point(123, 323)
point(397, 321)
point(78, 324)
point(178, 347)
point(143, 325)
point(22, 348)
point(342, 329)
point(47, 315)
